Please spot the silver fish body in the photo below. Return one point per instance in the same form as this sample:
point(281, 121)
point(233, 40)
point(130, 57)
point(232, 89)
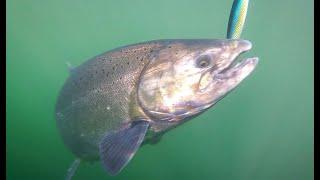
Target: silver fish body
point(162, 83)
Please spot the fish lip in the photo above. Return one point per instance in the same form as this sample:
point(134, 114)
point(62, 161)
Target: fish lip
point(237, 72)
point(244, 47)
point(236, 64)
point(238, 68)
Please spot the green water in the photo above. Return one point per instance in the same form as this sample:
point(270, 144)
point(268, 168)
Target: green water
point(262, 130)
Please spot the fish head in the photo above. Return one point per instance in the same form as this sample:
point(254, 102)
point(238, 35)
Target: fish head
point(187, 77)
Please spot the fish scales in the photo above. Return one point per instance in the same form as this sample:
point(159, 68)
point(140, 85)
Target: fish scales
point(94, 99)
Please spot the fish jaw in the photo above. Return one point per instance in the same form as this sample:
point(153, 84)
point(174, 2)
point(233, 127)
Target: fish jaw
point(226, 81)
point(233, 76)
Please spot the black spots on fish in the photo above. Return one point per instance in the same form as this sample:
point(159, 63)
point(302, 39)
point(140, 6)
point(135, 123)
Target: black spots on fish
point(109, 60)
point(124, 51)
point(103, 59)
point(169, 47)
point(116, 66)
point(99, 91)
point(77, 82)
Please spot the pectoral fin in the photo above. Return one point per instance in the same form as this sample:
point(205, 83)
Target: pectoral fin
point(117, 148)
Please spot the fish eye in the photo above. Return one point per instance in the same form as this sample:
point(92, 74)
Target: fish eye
point(203, 61)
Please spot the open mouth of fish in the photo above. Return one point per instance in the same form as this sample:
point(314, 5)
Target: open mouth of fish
point(228, 78)
point(238, 68)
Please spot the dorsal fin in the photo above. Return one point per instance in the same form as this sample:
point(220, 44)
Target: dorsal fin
point(71, 68)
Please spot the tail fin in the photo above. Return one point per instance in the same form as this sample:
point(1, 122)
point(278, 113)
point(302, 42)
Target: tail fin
point(72, 169)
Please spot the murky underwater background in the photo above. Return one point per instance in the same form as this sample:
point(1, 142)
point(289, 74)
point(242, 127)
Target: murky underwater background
point(262, 130)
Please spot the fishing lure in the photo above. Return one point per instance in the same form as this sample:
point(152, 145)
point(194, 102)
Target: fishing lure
point(237, 18)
